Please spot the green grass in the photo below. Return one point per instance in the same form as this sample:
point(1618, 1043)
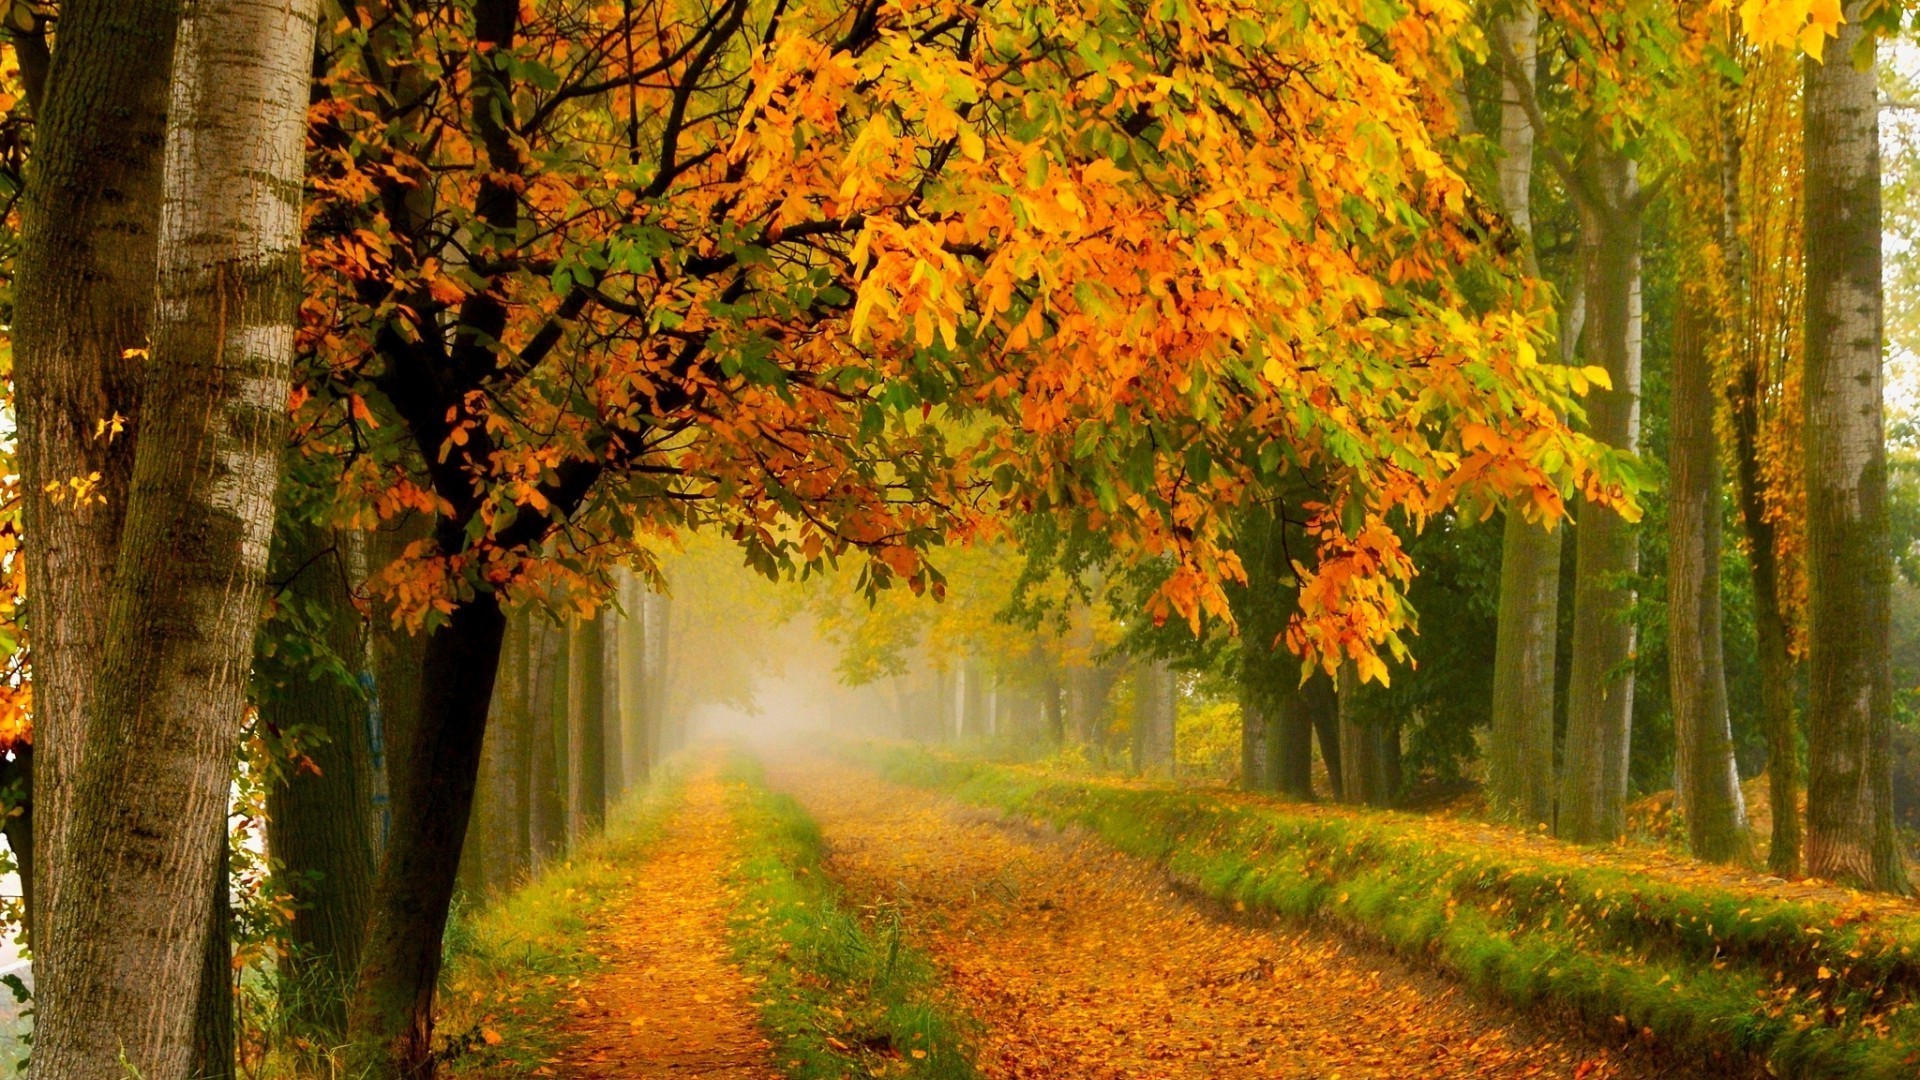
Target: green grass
point(1734, 979)
point(841, 993)
point(509, 965)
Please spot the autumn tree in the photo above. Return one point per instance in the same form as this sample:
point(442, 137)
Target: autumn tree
point(583, 270)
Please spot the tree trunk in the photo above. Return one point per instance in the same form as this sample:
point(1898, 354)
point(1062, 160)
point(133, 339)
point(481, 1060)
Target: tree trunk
point(668, 731)
point(390, 1018)
point(318, 807)
point(1593, 789)
point(1369, 752)
point(586, 731)
point(1709, 792)
point(1850, 831)
point(150, 797)
point(510, 858)
point(637, 738)
point(613, 745)
point(1256, 733)
point(1321, 703)
point(1157, 709)
point(547, 703)
point(1520, 750)
point(89, 238)
point(1291, 743)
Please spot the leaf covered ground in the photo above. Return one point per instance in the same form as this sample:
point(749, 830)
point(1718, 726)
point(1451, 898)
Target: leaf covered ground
point(1080, 962)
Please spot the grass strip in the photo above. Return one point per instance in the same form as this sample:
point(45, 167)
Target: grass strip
point(508, 965)
point(1739, 980)
point(842, 993)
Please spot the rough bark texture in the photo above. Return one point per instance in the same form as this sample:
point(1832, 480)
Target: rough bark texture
point(318, 825)
point(82, 298)
point(1709, 788)
point(390, 1018)
point(130, 923)
point(1520, 750)
point(1850, 832)
point(586, 730)
point(1593, 789)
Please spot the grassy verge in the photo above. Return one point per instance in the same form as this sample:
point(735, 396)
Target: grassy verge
point(510, 964)
point(1738, 979)
point(841, 993)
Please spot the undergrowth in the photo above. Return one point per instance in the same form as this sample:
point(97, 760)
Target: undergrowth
point(1739, 980)
point(841, 992)
point(509, 964)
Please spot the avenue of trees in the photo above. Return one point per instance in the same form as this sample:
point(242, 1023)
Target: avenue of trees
point(372, 359)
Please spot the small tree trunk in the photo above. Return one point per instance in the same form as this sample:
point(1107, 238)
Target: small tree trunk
point(318, 808)
point(1321, 703)
point(1850, 830)
point(636, 739)
point(1709, 791)
point(613, 745)
point(586, 731)
point(667, 725)
point(511, 857)
point(390, 1019)
point(547, 804)
point(1369, 752)
point(1593, 790)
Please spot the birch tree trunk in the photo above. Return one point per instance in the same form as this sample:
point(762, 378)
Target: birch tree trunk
point(149, 801)
point(1520, 754)
point(1593, 789)
point(1850, 831)
point(90, 223)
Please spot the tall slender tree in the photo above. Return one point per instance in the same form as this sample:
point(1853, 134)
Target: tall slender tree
point(1520, 753)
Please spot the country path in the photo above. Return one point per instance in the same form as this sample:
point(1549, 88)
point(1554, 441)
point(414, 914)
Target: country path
point(1083, 964)
point(669, 1002)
